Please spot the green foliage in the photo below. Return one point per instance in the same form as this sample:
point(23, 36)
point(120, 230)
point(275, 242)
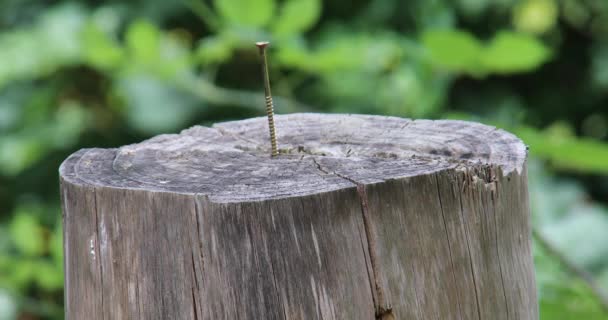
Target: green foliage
point(106, 74)
point(506, 53)
point(214, 50)
point(26, 234)
point(250, 13)
point(569, 223)
point(563, 296)
point(510, 52)
point(148, 98)
point(28, 258)
point(566, 151)
point(535, 16)
point(56, 32)
point(454, 50)
point(143, 42)
point(297, 16)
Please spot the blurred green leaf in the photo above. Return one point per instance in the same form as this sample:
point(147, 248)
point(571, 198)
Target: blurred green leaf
point(155, 106)
point(507, 52)
point(535, 16)
point(57, 31)
point(26, 234)
point(214, 50)
point(251, 13)
point(17, 153)
point(154, 52)
point(23, 274)
point(143, 41)
point(48, 276)
point(60, 32)
point(297, 16)
point(99, 49)
point(510, 52)
point(454, 50)
point(339, 51)
point(69, 121)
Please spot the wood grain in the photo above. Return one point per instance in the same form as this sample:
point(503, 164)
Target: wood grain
point(359, 217)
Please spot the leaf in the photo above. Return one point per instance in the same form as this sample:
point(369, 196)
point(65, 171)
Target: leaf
point(143, 41)
point(297, 16)
point(510, 52)
point(99, 49)
point(25, 272)
point(248, 13)
point(340, 51)
point(57, 31)
point(215, 49)
point(48, 276)
point(454, 50)
point(18, 153)
point(535, 16)
point(506, 53)
point(26, 234)
point(153, 105)
point(68, 122)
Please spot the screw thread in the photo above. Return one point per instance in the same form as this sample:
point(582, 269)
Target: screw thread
point(273, 136)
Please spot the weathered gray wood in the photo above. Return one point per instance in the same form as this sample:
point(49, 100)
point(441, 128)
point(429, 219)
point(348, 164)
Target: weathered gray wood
point(360, 217)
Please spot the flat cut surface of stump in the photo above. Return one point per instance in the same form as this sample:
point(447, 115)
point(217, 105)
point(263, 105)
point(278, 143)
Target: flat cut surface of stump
point(231, 161)
point(359, 217)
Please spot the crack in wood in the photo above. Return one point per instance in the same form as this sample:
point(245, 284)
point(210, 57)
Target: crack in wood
point(194, 309)
point(382, 310)
point(493, 195)
point(447, 237)
point(464, 189)
point(97, 231)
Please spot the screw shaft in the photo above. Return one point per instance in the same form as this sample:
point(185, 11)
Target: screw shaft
point(269, 104)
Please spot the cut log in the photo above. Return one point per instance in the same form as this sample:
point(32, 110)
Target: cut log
point(359, 217)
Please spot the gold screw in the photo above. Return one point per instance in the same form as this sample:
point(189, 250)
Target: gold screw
point(269, 106)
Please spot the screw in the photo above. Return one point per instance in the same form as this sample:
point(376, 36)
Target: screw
point(269, 105)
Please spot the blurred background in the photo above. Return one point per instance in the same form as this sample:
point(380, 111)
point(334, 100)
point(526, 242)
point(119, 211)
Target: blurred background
point(109, 73)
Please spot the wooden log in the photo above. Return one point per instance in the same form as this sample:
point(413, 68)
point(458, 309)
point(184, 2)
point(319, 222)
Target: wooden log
point(360, 217)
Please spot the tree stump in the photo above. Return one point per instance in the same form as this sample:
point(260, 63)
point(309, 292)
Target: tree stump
point(359, 217)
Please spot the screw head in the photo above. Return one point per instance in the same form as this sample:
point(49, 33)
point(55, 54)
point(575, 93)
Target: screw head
point(262, 46)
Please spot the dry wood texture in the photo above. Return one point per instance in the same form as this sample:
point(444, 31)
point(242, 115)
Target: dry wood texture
point(360, 217)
